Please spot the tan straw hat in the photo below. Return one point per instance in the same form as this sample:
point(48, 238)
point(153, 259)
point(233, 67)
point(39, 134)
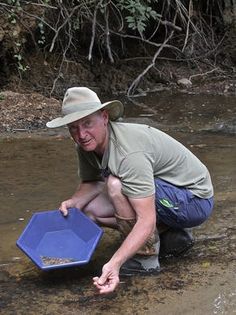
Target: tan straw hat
point(80, 102)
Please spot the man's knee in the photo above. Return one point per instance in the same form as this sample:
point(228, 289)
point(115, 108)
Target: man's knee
point(113, 186)
point(90, 214)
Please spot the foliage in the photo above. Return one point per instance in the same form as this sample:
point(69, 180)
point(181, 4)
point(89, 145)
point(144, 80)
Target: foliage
point(139, 13)
point(13, 14)
point(186, 30)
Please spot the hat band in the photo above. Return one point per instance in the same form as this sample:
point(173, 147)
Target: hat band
point(73, 108)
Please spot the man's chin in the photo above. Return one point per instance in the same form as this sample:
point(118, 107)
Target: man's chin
point(88, 148)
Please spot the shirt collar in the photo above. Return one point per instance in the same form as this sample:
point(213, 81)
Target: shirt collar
point(105, 158)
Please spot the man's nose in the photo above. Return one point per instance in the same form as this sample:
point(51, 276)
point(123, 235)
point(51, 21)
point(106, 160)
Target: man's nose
point(81, 132)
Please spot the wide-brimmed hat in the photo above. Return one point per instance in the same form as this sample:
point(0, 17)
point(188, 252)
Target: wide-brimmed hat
point(80, 102)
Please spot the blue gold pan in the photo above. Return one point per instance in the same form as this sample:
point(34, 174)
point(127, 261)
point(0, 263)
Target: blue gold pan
point(52, 241)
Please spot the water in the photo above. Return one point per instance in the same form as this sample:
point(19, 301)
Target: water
point(39, 170)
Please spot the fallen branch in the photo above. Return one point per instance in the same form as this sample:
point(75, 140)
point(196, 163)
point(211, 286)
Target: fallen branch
point(202, 74)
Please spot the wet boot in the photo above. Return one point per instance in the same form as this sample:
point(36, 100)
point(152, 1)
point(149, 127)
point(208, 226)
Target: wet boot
point(175, 242)
point(146, 260)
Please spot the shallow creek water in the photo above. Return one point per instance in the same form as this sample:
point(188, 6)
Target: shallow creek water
point(38, 170)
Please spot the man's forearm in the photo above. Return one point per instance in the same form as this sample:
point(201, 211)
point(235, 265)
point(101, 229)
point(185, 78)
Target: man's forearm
point(145, 212)
point(133, 242)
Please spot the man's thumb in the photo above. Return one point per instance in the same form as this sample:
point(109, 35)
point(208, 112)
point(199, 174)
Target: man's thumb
point(102, 279)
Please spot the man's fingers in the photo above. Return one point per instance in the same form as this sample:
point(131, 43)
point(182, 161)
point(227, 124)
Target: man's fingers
point(64, 212)
point(105, 285)
point(65, 205)
point(99, 281)
point(103, 288)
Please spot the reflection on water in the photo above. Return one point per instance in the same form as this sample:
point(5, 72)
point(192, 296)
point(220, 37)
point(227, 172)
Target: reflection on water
point(38, 172)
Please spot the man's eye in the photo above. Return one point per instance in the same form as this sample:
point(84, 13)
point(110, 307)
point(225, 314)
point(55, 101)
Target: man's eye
point(88, 124)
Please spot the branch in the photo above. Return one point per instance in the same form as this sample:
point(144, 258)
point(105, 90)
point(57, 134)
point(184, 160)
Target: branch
point(45, 5)
point(37, 18)
point(137, 80)
point(61, 26)
point(121, 20)
point(107, 33)
point(93, 30)
point(178, 28)
point(187, 31)
point(202, 74)
point(64, 52)
point(146, 41)
point(31, 3)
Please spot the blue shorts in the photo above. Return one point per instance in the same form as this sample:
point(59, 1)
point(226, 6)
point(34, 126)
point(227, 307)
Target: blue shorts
point(177, 207)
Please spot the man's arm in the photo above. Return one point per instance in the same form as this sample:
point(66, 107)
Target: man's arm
point(85, 192)
point(144, 227)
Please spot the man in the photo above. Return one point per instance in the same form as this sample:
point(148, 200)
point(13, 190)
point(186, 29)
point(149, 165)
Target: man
point(134, 178)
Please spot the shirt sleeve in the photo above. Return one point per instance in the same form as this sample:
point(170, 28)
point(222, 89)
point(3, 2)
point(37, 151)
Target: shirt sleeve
point(136, 174)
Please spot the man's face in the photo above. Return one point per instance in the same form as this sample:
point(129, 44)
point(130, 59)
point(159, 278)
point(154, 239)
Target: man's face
point(91, 132)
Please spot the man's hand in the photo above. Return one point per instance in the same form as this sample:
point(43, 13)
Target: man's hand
point(109, 279)
point(65, 205)
point(84, 194)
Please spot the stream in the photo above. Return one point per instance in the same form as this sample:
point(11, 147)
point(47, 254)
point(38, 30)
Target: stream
point(39, 170)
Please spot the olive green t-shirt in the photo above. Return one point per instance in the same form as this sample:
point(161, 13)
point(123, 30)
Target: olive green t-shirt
point(137, 154)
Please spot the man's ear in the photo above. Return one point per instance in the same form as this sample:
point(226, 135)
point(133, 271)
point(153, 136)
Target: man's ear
point(105, 116)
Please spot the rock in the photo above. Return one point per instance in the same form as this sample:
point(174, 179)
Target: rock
point(184, 82)
point(228, 127)
point(225, 127)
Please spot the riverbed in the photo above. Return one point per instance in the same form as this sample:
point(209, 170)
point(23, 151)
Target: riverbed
point(39, 169)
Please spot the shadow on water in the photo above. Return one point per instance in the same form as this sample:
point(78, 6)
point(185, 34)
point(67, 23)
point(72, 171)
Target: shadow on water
point(37, 172)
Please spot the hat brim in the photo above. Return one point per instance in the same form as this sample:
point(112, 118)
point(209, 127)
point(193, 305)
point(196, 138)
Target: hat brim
point(115, 109)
